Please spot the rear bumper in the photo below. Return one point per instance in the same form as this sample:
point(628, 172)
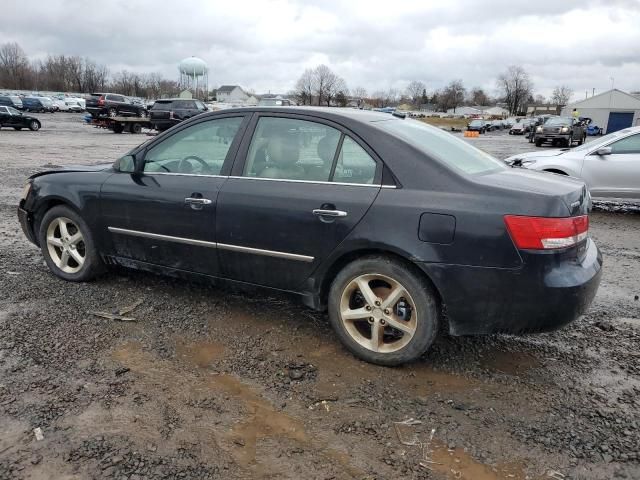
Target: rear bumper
point(163, 124)
point(548, 292)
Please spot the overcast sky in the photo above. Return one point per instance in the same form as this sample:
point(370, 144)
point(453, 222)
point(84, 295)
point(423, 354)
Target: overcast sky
point(265, 45)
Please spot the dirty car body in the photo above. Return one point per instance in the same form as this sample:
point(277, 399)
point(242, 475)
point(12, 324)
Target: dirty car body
point(391, 190)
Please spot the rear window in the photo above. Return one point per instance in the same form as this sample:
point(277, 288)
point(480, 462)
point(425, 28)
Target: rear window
point(161, 104)
point(441, 145)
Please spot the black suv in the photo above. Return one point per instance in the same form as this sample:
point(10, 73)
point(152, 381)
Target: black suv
point(166, 113)
point(113, 104)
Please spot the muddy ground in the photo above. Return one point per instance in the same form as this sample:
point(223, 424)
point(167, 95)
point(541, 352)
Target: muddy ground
point(224, 384)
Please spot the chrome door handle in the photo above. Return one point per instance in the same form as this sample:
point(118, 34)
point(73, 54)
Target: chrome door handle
point(329, 213)
point(197, 201)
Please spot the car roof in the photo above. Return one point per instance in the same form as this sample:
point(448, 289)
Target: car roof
point(322, 112)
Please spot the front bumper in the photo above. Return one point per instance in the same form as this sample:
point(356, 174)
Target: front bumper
point(549, 291)
point(26, 222)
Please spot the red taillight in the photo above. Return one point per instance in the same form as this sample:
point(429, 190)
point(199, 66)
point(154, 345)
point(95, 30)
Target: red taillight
point(101, 101)
point(543, 233)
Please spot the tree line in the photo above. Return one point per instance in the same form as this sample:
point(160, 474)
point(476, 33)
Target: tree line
point(62, 73)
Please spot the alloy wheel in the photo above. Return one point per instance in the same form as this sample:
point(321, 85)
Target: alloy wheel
point(65, 244)
point(378, 313)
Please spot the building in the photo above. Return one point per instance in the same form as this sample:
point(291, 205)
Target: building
point(534, 109)
point(231, 94)
point(495, 111)
point(611, 111)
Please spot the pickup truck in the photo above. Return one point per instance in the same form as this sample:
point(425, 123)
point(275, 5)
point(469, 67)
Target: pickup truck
point(560, 130)
point(113, 105)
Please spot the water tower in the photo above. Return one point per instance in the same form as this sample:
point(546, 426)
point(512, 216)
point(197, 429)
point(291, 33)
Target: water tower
point(194, 76)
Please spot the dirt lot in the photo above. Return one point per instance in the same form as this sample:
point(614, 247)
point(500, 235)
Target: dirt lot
point(219, 383)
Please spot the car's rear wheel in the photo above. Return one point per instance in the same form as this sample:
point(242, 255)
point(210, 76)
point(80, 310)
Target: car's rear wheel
point(34, 125)
point(112, 112)
point(67, 245)
point(383, 311)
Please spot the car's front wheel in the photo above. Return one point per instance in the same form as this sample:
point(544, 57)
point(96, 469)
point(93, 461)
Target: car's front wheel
point(383, 311)
point(67, 245)
point(34, 125)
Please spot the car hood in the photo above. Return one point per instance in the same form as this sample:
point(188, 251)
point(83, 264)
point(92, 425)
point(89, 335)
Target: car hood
point(73, 168)
point(536, 154)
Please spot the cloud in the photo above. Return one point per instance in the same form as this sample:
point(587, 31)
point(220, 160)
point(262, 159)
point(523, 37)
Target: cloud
point(265, 45)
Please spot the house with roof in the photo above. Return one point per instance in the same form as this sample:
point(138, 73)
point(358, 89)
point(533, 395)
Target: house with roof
point(231, 94)
point(612, 110)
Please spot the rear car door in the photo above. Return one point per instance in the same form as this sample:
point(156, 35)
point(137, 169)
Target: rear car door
point(165, 214)
point(618, 174)
point(298, 187)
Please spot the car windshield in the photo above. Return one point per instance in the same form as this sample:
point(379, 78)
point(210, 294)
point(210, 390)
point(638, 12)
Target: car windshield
point(476, 122)
point(558, 121)
point(602, 141)
point(442, 145)
point(13, 111)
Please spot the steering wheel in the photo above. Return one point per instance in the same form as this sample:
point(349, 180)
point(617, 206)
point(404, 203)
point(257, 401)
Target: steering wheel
point(185, 162)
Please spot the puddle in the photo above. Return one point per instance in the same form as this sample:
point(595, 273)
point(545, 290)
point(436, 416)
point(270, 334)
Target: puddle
point(459, 465)
point(200, 354)
point(511, 363)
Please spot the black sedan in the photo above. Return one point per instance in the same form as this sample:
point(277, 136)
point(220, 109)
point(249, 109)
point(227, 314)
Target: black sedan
point(477, 126)
point(10, 117)
point(386, 222)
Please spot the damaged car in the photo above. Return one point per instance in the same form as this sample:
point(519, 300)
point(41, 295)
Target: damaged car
point(396, 228)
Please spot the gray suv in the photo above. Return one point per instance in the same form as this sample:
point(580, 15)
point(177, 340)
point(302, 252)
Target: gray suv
point(561, 131)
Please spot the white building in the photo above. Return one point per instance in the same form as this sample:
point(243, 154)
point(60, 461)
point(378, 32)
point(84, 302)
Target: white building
point(464, 111)
point(496, 111)
point(611, 111)
point(231, 94)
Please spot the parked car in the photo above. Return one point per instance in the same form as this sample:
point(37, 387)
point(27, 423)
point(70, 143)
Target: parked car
point(518, 128)
point(593, 130)
point(274, 102)
point(477, 126)
point(10, 117)
point(497, 125)
point(48, 104)
point(112, 105)
point(384, 221)
point(60, 105)
point(74, 106)
point(565, 130)
point(610, 165)
point(11, 101)
point(168, 112)
point(35, 104)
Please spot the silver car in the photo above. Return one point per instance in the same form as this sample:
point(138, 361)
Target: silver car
point(610, 165)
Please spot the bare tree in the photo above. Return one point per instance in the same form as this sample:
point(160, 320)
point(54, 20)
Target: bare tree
point(561, 95)
point(478, 96)
point(414, 91)
point(515, 86)
point(303, 91)
point(452, 96)
point(14, 66)
point(336, 87)
point(359, 93)
point(540, 99)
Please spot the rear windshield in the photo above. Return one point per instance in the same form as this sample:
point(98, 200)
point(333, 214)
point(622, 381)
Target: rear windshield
point(443, 146)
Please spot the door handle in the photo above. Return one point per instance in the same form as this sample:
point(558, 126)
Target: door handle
point(329, 213)
point(197, 201)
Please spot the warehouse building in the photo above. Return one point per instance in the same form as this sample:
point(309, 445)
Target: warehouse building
point(611, 111)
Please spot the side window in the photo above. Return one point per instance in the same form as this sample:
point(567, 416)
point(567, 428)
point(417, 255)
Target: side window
point(354, 164)
point(198, 150)
point(289, 149)
point(630, 144)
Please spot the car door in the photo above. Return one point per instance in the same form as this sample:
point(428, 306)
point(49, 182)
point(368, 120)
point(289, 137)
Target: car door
point(4, 116)
point(616, 174)
point(164, 213)
point(298, 187)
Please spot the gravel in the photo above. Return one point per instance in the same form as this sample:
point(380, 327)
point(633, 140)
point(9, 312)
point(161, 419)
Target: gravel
point(226, 383)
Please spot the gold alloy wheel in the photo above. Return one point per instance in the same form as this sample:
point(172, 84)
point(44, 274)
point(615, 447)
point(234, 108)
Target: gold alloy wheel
point(378, 313)
point(65, 244)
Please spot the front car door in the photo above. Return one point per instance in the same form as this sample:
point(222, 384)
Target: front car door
point(298, 187)
point(5, 118)
point(164, 214)
point(616, 175)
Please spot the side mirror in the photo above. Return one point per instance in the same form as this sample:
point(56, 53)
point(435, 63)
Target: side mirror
point(126, 164)
point(603, 151)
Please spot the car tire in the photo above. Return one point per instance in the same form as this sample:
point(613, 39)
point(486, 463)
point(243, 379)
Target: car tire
point(118, 128)
point(354, 315)
point(67, 245)
point(34, 125)
point(135, 128)
point(112, 112)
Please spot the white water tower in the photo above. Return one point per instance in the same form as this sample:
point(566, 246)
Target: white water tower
point(194, 76)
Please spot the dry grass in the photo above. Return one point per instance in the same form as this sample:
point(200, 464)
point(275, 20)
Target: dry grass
point(460, 123)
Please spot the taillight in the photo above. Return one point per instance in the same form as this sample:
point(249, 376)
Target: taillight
point(543, 233)
point(101, 101)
